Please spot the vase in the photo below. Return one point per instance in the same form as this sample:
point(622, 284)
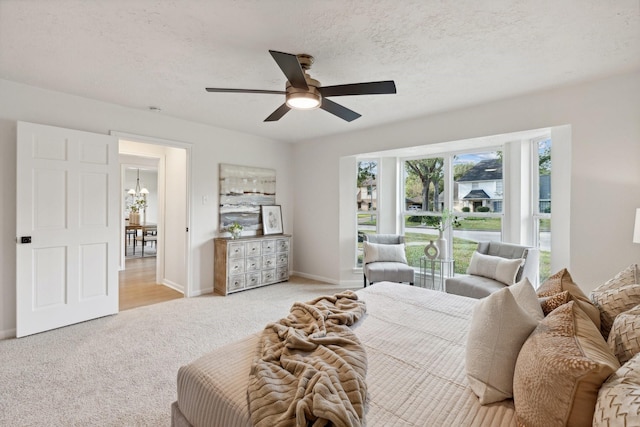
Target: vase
point(441, 243)
point(235, 235)
point(431, 251)
point(134, 218)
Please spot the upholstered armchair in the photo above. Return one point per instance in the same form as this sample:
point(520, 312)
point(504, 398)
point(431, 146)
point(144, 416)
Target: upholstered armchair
point(493, 266)
point(385, 259)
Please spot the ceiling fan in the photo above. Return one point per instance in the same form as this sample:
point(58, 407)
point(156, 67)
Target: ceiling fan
point(305, 93)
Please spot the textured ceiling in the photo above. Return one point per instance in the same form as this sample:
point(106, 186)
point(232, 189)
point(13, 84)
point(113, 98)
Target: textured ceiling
point(442, 55)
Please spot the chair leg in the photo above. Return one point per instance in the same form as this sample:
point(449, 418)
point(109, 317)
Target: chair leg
point(365, 280)
point(410, 283)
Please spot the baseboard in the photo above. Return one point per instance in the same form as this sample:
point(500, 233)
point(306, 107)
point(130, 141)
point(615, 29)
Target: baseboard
point(7, 333)
point(199, 292)
point(174, 286)
point(326, 279)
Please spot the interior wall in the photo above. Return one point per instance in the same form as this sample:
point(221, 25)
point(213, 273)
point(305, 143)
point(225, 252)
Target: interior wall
point(210, 147)
point(604, 172)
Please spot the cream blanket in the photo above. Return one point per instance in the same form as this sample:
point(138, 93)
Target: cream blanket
point(311, 367)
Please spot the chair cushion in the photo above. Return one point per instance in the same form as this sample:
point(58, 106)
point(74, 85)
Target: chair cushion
point(501, 269)
point(472, 286)
point(374, 252)
point(389, 272)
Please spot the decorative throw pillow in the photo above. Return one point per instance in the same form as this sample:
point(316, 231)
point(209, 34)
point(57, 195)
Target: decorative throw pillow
point(550, 303)
point(499, 327)
point(628, 276)
point(526, 298)
point(494, 267)
point(613, 301)
point(374, 252)
point(624, 338)
point(562, 281)
point(619, 397)
point(559, 370)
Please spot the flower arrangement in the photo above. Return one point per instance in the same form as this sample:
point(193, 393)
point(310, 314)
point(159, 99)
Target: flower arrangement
point(447, 220)
point(138, 205)
point(441, 223)
point(235, 229)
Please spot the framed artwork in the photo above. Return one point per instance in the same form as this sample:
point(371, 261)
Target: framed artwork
point(271, 219)
point(243, 189)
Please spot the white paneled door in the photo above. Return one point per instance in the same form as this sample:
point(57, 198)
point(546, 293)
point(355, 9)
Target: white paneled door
point(67, 244)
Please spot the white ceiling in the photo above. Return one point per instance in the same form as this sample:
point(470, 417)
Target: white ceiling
point(442, 55)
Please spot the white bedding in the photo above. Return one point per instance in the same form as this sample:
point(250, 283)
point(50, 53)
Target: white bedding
point(414, 339)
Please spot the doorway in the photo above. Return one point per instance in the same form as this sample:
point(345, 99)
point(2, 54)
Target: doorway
point(154, 237)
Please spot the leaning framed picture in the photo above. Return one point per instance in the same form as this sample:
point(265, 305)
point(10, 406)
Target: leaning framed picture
point(271, 219)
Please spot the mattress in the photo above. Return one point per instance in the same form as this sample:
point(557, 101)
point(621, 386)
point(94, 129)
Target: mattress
point(414, 339)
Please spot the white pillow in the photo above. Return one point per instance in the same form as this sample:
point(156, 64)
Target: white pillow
point(494, 267)
point(527, 298)
point(499, 328)
point(374, 252)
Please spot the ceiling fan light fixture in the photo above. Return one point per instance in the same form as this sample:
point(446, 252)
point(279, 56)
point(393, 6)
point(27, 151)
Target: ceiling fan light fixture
point(303, 100)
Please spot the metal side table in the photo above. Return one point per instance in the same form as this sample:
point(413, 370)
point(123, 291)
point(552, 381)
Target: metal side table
point(437, 270)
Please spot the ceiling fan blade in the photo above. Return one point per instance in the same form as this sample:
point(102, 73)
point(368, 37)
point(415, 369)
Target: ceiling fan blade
point(370, 88)
point(291, 68)
point(338, 110)
point(276, 115)
point(275, 92)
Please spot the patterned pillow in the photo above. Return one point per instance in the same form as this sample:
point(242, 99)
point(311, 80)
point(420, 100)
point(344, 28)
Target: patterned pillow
point(562, 281)
point(559, 370)
point(613, 301)
point(624, 338)
point(628, 276)
point(619, 398)
point(550, 303)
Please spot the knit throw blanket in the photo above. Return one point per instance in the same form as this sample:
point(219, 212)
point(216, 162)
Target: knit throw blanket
point(311, 367)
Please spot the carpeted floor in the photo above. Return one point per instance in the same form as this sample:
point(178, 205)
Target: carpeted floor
point(121, 370)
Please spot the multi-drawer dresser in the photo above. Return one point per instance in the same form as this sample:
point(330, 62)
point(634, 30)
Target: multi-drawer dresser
point(250, 262)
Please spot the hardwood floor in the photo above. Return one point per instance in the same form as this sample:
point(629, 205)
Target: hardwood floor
point(138, 286)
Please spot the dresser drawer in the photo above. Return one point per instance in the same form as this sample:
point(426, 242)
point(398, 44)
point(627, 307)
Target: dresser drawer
point(268, 247)
point(235, 282)
point(268, 261)
point(253, 248)
point(253, 264)
point(252, 280)
point(268, 276)
point(282, 273)
point(282, 260)
point(236, 250)
point(282, 245)
point(236, 266)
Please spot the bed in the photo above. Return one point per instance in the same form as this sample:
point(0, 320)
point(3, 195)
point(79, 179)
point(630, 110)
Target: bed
point(414, 339)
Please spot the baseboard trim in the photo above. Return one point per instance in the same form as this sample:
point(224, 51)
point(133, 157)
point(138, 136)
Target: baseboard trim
point(7, 333)
point(198, 292)
point(326, 279)
point(174, 286)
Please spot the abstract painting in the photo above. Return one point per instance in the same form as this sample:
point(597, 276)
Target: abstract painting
point(243, 190)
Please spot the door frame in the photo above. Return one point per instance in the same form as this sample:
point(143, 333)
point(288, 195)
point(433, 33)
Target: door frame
point(188, 288)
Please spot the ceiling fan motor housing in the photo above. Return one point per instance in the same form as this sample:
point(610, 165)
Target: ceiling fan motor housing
point(304, 99)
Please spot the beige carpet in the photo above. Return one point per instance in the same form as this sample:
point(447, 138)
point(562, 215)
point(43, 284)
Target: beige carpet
point(121, 370)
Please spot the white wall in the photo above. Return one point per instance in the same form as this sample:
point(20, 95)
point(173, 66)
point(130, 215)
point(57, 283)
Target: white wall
point(211, 146)
point(604, 173)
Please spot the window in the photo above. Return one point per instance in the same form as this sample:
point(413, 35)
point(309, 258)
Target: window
point(367, 203)
point(477, 202)
point(542, 203)
point(471, 193)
